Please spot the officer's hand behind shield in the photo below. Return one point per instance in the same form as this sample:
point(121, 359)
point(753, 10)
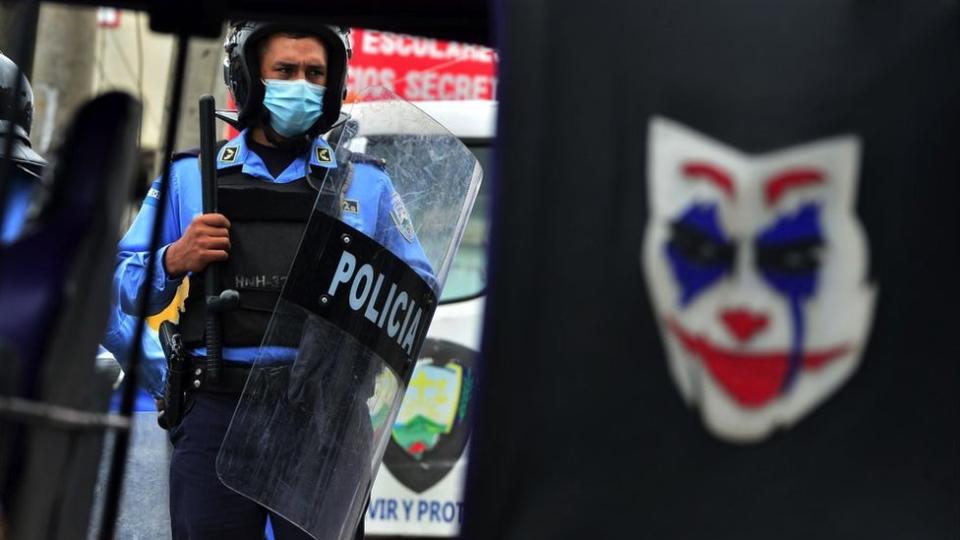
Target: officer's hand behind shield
point(206, 240)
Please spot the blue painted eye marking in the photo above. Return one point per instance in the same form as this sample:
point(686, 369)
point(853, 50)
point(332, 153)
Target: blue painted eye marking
point(788, 252)
point(788, 258)
point(698, 251)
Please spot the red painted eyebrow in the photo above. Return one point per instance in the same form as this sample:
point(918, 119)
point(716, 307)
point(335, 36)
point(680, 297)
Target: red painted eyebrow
point(711, 173)
point(779, 184)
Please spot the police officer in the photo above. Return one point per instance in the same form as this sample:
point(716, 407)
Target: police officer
point(289, 84)
point(16, 118)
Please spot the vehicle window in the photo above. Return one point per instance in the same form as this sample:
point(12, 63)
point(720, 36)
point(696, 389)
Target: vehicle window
point(468, 273)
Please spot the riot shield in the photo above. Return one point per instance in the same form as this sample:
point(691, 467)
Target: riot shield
point(316, 414)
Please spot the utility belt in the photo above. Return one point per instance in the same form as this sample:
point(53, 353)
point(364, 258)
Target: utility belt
point(187, 374)
point(232, 377)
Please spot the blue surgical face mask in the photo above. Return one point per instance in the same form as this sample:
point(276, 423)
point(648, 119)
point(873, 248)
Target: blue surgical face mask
point(294, 105)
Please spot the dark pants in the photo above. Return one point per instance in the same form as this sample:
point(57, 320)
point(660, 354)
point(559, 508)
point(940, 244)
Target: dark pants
point(201, 507)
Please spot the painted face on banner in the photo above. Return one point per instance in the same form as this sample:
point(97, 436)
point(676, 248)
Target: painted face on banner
point(757, 267)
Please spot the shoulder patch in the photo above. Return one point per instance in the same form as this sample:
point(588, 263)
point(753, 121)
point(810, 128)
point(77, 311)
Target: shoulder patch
point(352, 206)
point(153, 194)
point(401, 218)
point(229, 154)
point(323, 155)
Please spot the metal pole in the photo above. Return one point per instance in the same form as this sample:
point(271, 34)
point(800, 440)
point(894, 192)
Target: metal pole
point(119, 460)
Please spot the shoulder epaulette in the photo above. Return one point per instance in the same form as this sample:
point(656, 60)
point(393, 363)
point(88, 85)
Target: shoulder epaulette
point(184, 154)
point(357, 157)
point(195, 152)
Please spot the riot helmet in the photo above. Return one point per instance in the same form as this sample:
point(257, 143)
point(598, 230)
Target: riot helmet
point(16, 113)
point(241, 68)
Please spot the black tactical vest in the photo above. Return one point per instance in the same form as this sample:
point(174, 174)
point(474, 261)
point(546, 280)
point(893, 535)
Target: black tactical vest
point(267, 220)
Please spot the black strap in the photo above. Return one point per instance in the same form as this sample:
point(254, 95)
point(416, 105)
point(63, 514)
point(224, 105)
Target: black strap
point(232, 377)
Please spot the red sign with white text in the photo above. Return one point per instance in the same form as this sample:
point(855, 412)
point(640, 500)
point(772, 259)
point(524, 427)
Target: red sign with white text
point(421, 69)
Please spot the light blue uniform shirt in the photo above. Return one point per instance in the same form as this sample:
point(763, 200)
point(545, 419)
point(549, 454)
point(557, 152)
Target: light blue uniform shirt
point(376, 204)
point(117, 340)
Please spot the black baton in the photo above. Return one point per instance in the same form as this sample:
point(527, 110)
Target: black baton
point(211, 285)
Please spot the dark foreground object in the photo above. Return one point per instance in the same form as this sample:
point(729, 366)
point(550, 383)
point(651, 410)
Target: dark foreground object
point(582, 431)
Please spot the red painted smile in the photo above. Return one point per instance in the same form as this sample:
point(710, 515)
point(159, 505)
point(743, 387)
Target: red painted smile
point(754, 378)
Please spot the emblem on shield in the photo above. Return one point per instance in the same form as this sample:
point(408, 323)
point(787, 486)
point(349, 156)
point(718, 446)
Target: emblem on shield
point(432, 427)
point(757, 270)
